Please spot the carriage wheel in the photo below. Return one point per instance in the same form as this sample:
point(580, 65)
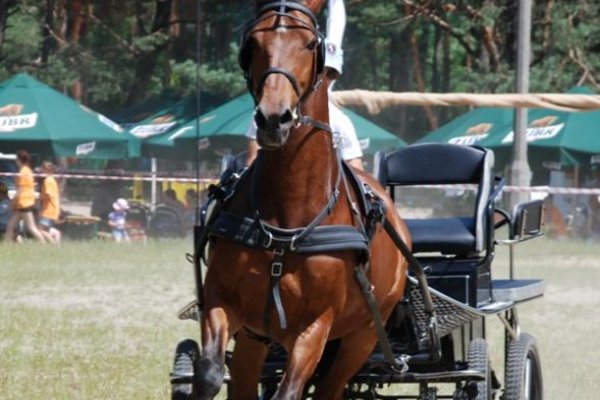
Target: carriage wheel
point(183, 386)
point(479, 359)
point(523, 370)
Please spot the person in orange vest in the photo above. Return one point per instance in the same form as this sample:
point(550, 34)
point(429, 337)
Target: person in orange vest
point(49, 205)
point(23, 204)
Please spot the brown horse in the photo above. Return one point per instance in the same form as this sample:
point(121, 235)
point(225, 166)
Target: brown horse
point(298, 299)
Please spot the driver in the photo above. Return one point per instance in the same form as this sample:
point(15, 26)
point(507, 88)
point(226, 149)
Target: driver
point(344, 133)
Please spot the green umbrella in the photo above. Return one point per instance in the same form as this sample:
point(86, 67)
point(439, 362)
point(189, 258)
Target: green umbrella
point(226, 126)
point(472, 127)
point(556, 137)
point(39, 119)
point(149, 135)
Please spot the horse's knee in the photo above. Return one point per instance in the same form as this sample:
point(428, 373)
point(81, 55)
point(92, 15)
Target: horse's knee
point(210, 377)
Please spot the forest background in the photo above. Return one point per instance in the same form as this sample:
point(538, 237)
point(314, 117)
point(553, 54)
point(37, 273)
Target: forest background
point(114, 55)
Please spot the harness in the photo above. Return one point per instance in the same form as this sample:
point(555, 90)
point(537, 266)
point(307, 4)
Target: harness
point(252, 231)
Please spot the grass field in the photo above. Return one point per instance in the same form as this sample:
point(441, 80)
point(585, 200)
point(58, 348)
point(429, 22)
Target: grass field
point(94, 320)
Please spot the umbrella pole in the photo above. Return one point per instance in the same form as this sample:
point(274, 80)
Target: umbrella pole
point(153, 184)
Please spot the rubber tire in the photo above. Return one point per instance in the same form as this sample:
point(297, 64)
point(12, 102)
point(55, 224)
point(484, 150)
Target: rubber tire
point(479, 359)
point(187, 355)
point(520, 354)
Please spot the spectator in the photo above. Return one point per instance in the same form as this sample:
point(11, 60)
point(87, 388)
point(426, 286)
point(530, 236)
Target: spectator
point(23, 204)
point(108, 192)
point(5, 208)
point(117, 220)
point(191, 203)
point(49, 205)
point(170, 199)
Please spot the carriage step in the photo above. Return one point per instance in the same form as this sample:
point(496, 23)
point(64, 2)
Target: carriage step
point(517, 290)
point(182, 379)
point(190, 311)
point(429, 377)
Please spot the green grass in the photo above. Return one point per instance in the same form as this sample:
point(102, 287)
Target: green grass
point(95, 320)
point(91, 320)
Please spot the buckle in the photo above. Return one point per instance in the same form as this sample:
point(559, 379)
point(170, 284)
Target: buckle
point(276, 269)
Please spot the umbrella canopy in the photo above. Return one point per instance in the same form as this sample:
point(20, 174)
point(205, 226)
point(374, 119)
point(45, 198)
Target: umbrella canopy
point(554, 137)
point(35, 117)
point(472, 127)
point(226, 126)
point(167, 119)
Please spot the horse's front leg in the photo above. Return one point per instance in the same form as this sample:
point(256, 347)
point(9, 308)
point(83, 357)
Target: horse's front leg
point(304, 354)
point(217, 327)
point(246, 367)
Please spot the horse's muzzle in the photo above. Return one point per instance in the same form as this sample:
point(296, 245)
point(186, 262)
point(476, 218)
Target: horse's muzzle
point(273, 130)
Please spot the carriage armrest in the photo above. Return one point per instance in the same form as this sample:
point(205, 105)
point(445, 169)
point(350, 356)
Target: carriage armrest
point(528, 219)
point(526, 223)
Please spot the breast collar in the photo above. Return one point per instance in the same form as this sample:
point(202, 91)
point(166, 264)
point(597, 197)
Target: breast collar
point(252, 231)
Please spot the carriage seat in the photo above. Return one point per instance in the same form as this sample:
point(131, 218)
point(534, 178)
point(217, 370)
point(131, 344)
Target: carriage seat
point(443, 164)
point(234, 163)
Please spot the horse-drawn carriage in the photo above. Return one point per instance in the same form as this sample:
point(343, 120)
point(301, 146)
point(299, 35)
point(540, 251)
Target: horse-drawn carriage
point(327, 292)
point(448, 346)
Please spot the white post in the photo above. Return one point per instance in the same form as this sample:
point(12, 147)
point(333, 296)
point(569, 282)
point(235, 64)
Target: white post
point(153, 184)
point(520, 173)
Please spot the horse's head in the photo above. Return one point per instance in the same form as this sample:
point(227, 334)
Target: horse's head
point(282, 58)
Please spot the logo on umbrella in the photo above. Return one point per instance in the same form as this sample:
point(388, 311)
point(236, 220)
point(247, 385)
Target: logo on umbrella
point(539, 129)
point(473, 135)
point(11, 118)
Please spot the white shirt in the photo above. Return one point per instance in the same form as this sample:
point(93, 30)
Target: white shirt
point(344, 134)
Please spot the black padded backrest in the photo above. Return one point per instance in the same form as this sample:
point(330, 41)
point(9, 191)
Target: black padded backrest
point(431, 163)
point(443, 163)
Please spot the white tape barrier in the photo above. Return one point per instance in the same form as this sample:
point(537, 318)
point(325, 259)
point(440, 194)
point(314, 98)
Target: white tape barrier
point(120, 178)
point(531, 189)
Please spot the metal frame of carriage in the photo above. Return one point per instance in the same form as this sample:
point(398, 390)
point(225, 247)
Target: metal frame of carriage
point(449, 346)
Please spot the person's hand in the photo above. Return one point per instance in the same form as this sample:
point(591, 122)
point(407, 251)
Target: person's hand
point(331, 74)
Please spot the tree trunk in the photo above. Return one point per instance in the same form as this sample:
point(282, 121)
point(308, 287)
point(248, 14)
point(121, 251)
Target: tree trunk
point(47, 39)
point(418, 70)
point(400, 76)
point(5, 6)
point(446, 73)
point(147, 61)
point(77, 18)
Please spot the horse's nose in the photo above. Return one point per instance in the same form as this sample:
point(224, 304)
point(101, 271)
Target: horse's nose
point(273, 121)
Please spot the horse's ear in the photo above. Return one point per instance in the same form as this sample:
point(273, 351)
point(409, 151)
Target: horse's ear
point(314, 5)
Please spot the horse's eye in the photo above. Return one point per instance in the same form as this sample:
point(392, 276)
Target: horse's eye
point(311, 46)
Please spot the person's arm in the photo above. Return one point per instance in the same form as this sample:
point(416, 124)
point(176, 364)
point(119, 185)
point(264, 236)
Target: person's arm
point(336, 22)
point(252, 151)
point(356, 163)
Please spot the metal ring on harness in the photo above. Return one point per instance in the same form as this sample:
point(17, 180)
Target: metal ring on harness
point(270, 240)
point(293, 243)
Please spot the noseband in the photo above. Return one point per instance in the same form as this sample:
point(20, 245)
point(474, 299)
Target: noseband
point(283, 9)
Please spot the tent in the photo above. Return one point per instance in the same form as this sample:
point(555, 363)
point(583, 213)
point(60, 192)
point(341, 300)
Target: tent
point(167, 119)
point(554, 137)
point(37, 118)
point(472, 127)
point(226, 126)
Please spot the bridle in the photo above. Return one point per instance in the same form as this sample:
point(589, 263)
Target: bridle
point(284, 8)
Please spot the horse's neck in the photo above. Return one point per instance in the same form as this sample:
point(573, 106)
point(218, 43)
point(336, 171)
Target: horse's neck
point(297, 181)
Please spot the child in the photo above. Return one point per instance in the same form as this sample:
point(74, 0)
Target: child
point(50, 205)
point(116, 220)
